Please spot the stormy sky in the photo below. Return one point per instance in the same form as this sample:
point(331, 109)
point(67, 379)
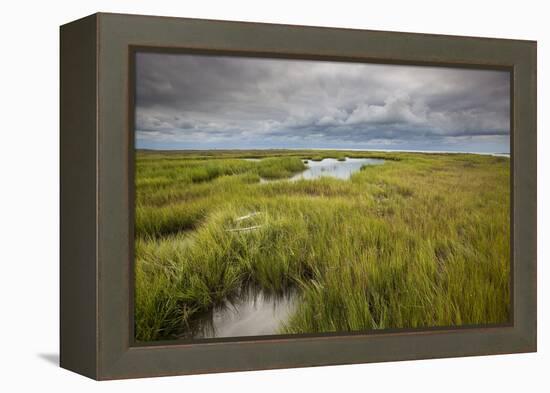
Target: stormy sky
point(212, 102)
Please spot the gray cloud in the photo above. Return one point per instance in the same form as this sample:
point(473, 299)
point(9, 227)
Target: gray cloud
point(192, 101)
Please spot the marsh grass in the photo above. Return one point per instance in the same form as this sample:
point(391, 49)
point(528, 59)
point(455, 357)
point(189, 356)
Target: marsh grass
point(420, 241)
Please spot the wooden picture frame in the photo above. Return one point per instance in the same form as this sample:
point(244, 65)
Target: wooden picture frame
point(97, 195)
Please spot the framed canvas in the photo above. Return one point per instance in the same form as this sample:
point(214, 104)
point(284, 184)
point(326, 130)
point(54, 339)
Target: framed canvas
point(243, 196)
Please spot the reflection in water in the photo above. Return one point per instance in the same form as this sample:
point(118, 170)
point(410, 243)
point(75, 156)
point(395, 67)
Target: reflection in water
point(253, 312)
point(334, 168)
point(330, 167)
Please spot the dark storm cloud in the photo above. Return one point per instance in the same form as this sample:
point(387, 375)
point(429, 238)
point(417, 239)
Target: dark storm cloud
point(187, 100)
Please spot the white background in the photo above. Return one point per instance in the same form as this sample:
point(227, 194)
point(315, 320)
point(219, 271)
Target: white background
point(29, 167)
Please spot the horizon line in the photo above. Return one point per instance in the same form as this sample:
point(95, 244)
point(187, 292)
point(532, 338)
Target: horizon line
point(336, 149)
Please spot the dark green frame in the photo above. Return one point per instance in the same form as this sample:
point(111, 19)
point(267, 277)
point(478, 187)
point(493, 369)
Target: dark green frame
point(97, 199)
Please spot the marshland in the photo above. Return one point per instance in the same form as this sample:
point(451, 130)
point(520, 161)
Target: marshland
point(235, 243)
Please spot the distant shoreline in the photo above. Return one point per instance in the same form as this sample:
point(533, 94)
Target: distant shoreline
point(496, 154)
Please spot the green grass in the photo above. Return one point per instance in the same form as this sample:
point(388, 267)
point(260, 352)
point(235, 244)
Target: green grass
point(422, 240)
point(278, 168)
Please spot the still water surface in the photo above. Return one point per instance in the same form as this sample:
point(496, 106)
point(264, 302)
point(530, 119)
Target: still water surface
point(330, 167)
point(253, 312)
point(333, 168)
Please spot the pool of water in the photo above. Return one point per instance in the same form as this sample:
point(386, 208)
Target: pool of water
point(331, 167)
point(253, 312)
